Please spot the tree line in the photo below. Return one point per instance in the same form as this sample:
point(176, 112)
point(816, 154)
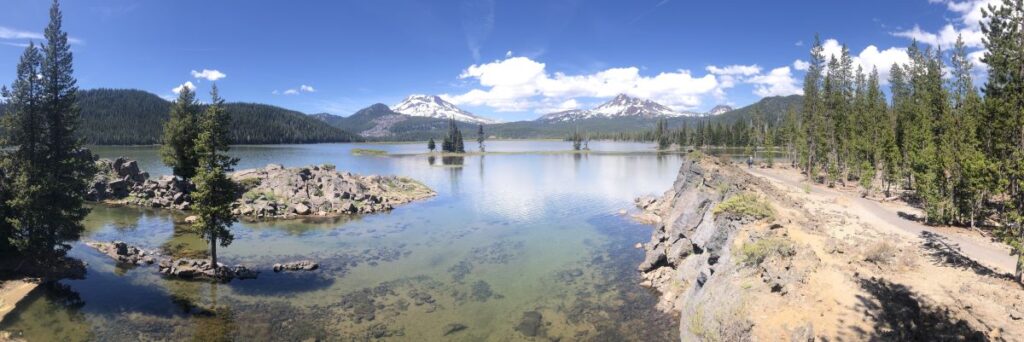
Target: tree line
point(937, 139)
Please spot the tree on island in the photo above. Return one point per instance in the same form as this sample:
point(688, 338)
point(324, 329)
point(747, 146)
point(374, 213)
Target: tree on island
point(480, 136)
point(661, 135)
point(180, 132)
point(453, 141)
point(431, 145)
point(47, 172)
point(577, 140)
point(215, 191)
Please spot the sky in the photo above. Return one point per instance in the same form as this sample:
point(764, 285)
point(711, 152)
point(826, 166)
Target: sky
point(508, 60)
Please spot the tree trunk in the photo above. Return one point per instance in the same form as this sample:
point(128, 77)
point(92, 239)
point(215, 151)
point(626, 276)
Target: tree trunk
point(213, 251)
point(1020, 269)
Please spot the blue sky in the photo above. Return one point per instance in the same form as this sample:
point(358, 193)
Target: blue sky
point(510, 60)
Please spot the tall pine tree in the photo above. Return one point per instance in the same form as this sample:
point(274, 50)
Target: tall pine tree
point(215, 191)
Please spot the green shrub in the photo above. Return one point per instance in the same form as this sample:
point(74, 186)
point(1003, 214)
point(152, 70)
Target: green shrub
point(746, 204)
point(755, 253)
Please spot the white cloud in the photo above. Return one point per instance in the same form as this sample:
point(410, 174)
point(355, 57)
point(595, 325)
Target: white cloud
point(9, 33)
point(968, 25)
point(869, 58)
point(291, 92)
point(522, 84)
point(744, 70)
point(801, 65)
point(306, 88)
point(188, 85)
point(778, 82)
point(209, 75)
point(945, 38)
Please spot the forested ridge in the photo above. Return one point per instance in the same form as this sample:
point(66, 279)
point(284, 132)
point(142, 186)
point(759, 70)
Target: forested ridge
point(136, 117)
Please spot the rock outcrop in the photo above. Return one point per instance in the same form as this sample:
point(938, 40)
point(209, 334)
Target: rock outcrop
point(276, 191)
point(270, 192)
point(689, 258)
point(121, 181)
point(124, 253)
point(203, 269)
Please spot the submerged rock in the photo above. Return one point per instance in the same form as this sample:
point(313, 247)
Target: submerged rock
point(202, 269)
point(453, 328)
point(530, 324)
point(302, 265)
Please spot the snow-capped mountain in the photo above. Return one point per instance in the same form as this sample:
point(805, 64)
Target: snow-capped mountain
point(620, 106)
point(432, 106)
point(719, 109)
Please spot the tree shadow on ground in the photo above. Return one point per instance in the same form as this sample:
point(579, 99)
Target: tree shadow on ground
point(942, 252)
point(900, 316)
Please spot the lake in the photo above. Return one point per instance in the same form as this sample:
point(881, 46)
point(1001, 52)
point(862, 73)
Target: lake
point(509, 238)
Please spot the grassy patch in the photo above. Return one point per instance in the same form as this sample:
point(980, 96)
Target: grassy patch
point(368, 152)
point(746, 204)
point(753, 254)
point(255, 194)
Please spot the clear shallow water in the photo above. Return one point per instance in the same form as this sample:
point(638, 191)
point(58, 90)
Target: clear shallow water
point(507, 234)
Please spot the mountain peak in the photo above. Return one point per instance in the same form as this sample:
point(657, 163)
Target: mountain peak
point(719, 109)
point(621, 105)
point(433, 106)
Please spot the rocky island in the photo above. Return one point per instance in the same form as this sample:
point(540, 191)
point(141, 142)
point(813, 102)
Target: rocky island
point(273, 191)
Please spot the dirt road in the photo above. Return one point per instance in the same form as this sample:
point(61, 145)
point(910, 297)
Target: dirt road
point(992, 255)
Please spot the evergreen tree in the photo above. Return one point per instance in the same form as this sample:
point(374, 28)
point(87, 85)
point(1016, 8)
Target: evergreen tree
point(431, 145)
point(661, 134)
point(480, 136)
point(69, 169)
point(25, 125)
point(1002, 135)
point(215, 191)
point(973, 181)
point(178, 149)
point(812, 111)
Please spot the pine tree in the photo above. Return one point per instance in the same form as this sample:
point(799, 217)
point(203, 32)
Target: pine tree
point(69, 167)
point(813, 107)
point(179, 139)
point(973, 181)
point(1002, 135)
point(480, 136)
point(431, 145)
point(215, 191)
point(25, 125)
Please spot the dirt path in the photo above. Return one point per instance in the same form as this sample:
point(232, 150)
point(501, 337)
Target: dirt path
point(992, 255)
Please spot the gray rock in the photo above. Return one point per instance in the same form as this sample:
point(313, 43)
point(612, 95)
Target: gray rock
point(452, 328)
point(530, 324)
point(302, 265)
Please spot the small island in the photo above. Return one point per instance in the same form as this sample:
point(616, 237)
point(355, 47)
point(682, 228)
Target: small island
point(273, 191)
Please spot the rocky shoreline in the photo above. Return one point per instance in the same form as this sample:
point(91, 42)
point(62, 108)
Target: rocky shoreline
point(690, 258)
point(744, 257)
point(273, 191)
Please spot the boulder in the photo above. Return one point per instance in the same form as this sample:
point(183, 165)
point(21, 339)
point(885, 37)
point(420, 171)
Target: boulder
point(302, 265)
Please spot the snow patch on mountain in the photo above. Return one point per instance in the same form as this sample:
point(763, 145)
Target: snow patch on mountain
point(432, 106)
point(620, 106)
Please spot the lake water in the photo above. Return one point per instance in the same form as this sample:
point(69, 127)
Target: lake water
point(507, 237)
